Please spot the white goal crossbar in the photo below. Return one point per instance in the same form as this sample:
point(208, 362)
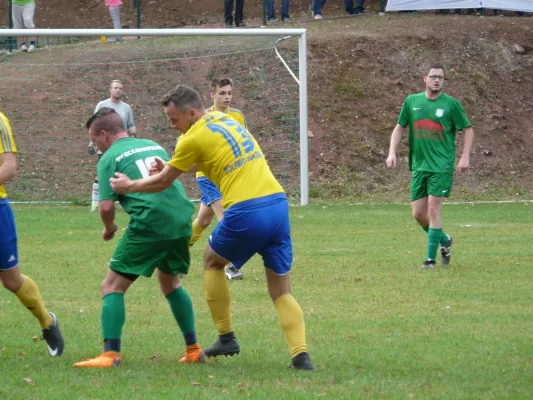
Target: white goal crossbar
point(302, 67)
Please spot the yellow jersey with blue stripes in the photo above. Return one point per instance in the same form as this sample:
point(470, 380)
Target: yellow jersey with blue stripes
point(229, 156)
point(7, 144)
point(237, 115)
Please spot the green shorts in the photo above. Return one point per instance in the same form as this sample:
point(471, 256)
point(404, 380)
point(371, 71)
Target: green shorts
point(136, 256)
point(425, 184)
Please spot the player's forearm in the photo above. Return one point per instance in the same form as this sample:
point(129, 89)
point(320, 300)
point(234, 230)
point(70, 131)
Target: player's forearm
point(153, 184)
point(395, 139)
point(467, 142)
point(7, 172)
point(108, 216)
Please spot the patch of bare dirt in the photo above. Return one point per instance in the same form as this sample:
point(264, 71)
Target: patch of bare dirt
point(360, 71)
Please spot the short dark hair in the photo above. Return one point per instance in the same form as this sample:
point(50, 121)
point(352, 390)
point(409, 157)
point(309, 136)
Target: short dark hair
point(220, 82)
point(184, 97)
point(436, 66)
point(106, 119)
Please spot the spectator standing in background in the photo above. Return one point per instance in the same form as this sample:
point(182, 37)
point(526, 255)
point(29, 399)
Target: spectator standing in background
point(114, 11)
point(239, 13)
point(271, 11)
point(316, 8)
point(23, 11)
point(358, 9)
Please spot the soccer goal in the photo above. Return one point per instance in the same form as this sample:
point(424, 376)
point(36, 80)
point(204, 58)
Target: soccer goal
point(49, 94)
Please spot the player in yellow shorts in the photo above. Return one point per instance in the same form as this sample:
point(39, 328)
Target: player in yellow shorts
point(256, 216)
point(22, 286)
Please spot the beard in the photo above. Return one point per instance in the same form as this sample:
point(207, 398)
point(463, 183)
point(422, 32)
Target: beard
point(435, 90)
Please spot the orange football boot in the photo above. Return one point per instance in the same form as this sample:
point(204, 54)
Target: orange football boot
point(105, 360)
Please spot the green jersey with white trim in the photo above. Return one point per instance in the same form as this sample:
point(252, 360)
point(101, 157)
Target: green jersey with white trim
point(154, 216)
point(432, 127)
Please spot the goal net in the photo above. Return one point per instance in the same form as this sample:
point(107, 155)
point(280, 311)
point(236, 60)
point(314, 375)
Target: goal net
point(49, 94)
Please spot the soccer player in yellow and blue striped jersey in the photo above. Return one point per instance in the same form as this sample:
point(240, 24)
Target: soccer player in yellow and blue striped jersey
point(22, 286)
point(211, 200)
point(256, 217)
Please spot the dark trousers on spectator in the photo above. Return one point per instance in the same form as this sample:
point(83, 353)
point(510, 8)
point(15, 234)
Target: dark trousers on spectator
point(228, 11)
point(316, 6)
point(271, 11)
point(359, 6)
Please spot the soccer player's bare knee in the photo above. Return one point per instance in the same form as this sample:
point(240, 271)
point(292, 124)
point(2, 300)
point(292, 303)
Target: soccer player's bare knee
point(435, 209)
point(115, 283)
point(278, 285)
point(167, 282)
point(205, 216)
point(420, 211)
point(212, 262)
point(12, 280)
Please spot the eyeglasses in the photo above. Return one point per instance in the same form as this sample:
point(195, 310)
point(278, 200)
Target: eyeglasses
point(436, 77)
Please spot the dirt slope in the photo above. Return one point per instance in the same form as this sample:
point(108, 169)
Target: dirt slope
point(362, 68)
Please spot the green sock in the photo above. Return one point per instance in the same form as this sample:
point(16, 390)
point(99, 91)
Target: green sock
point(113, 315)
point(434, 236)
point(426, 228)
point(181, 306)
point(444, 239)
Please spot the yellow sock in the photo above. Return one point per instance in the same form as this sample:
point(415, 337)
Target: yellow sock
point(291, 318)
point(30, 296)
point(218, 298)
point(197, 231)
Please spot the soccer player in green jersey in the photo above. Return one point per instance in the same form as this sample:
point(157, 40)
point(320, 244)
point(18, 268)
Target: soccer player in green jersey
point(157, 236)
point(256, 215)
point(433, 118)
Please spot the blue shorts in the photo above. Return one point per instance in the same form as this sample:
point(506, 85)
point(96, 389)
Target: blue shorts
point(256, 226)
point(9, 257)
point(209, 190)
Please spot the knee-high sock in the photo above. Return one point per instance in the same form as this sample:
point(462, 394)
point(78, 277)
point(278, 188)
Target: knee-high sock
point(181, 306)
point(113, 316)
point(434, 236)
point(197, 231)
point(291, 318)
point(95, 195)
point(218, 298)
point(29, 295)
point(444, 238)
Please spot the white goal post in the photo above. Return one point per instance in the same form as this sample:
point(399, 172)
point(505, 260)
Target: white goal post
point(301, 80)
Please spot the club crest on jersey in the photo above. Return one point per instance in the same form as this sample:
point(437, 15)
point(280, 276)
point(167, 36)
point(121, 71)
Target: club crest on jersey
point(439, 113)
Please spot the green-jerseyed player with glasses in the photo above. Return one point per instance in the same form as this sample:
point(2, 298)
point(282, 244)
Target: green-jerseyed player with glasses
point(433, 118)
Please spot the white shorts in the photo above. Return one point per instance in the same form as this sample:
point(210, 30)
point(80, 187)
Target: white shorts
point(23, 16)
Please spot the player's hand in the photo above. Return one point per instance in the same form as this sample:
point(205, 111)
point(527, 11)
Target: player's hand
point(391, 161)
point(463, 164)
point(120, 184)
point(109, 234)
point(91, 149)
point(156, 167)
point(133, 135)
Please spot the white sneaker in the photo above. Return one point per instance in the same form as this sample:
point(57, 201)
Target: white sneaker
point(31, 48)
point(318, 16)
point(23, 48)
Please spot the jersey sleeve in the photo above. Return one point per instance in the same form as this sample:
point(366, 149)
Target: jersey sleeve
point(460, 120)
point(106, 170)
point(185, 154)
point(7, 142)
point(404, 118)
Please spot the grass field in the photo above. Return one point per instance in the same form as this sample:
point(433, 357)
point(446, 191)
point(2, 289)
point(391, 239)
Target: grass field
point(377, 326)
